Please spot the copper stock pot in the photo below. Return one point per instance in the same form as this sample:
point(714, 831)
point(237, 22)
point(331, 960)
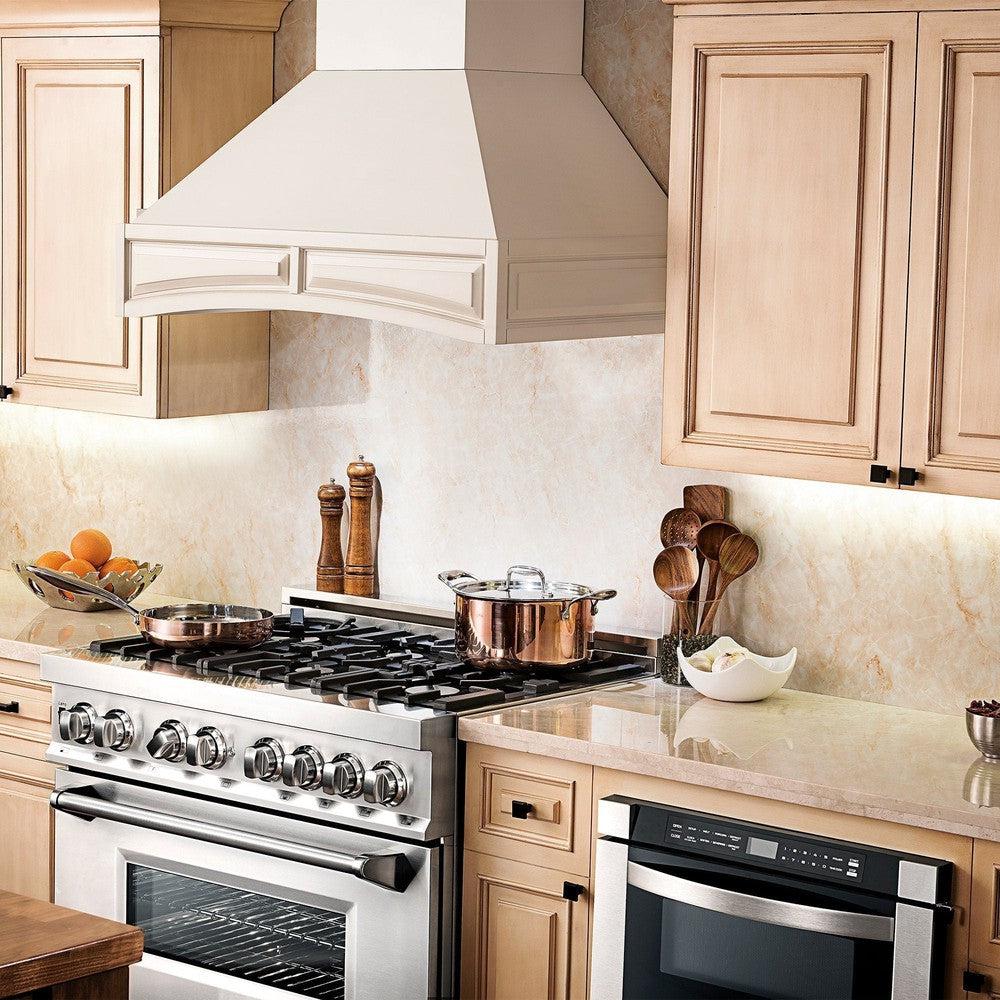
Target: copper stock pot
point(523, 622)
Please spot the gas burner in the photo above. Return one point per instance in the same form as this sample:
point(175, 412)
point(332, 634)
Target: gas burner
point(360, 662)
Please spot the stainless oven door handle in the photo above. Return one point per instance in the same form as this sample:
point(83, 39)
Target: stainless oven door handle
point(392, 871)
point(867, 926)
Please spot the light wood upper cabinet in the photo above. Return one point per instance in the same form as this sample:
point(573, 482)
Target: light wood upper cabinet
point(952, 416)
point(80, 151)
point(789, 201)
point(93, 129)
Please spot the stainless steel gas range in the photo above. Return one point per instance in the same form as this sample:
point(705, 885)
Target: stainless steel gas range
point(281, 821)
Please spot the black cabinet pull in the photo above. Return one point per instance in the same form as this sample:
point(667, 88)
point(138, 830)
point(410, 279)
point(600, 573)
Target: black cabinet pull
point(521, 810)
point(572, 891)
point(5, 391)
point(973, 982)
point(12, 707)
point(879, 474)
point(908, 476)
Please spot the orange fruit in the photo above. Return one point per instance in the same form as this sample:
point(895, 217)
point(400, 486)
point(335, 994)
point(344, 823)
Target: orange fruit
point(52, 560)
point(120, 564)
point(91, 546)
point(78, 567)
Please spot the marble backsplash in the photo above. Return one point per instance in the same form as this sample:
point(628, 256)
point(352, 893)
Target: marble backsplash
point(545, 454)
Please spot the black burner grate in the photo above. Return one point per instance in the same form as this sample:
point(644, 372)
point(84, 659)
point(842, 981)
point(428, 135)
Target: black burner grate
point(384, 664)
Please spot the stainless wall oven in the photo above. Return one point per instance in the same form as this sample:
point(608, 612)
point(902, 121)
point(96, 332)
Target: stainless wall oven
point(237, 902)
point(691, 906)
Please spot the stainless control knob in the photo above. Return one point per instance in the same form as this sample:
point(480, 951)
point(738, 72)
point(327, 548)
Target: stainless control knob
point(385, 784)
point(344, 776)
point(114, 731)
point(207, 748)
point(303, 768)
point(263, 760)
point(77, 724)
point(168, 742)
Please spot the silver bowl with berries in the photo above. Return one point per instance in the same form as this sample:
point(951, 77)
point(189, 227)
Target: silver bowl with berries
point(982, 722)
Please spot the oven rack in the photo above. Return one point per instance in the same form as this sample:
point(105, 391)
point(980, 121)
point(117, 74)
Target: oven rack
point(260, 938)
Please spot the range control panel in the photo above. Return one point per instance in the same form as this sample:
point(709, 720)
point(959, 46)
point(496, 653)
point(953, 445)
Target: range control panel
point(718, 838)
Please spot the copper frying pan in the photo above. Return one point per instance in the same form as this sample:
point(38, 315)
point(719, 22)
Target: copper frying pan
point(179, 626)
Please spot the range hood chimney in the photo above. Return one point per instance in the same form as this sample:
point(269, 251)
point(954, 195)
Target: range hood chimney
point(446, 167)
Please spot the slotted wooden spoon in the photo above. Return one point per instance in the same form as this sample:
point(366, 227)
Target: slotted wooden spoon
point(680, 527)
point(676, 574)
point(738, 554)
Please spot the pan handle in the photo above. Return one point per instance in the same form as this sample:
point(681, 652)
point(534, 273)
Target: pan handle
point(75, 585)
point(450, 576)
point(594, 595)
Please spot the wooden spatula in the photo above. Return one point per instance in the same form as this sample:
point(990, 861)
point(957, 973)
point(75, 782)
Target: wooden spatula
point(676, 574)
point(708, 502)
point(738, 554)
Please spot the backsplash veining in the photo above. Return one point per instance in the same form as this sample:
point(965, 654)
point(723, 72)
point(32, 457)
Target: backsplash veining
point(489, 456)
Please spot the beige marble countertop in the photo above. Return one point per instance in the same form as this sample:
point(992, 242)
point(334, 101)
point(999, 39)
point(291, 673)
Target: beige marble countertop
point(888, 763)
point(29, 627)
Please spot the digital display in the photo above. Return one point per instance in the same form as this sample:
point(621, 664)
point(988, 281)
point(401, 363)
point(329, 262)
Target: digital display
point(762, 848)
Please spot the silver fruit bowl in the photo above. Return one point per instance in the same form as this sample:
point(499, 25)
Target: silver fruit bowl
point(126, 585)
point(984, 731)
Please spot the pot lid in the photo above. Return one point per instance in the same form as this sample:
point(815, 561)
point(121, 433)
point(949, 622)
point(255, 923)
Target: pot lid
point(522, 583)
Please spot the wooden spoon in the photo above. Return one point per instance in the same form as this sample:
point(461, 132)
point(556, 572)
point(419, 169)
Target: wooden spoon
point(708, 502)
point(738, 554)
point(710, 539)
point(680, 527)
point(676, 574)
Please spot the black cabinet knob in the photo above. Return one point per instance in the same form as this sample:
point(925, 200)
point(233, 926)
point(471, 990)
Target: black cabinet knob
point(520, 810)
point(572, 891)
point(12, 707)
point(973, 982)
point(908, 476)
point(879, 474)
point(5, 391)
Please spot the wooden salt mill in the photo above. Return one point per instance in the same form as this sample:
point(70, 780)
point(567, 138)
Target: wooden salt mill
point(330, 566)
point(359, 574)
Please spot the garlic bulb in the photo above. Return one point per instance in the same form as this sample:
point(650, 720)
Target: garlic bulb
point(728, 660)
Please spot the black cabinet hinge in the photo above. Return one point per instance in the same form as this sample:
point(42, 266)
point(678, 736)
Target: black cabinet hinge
point(521, 810)
point(572, 891)
point(908, 476)
point(879, 474)
point(973, 982)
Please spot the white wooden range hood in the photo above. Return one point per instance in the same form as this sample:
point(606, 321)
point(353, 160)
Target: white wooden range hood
point(447, 167)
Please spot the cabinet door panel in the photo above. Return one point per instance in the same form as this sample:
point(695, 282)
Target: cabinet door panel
point(521, 940)
point(80, 152)
point(788, 232)
point(952, 415)
point(25, 827)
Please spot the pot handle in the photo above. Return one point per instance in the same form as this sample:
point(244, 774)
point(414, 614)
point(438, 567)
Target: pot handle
point(450, 576)
point(594, 595)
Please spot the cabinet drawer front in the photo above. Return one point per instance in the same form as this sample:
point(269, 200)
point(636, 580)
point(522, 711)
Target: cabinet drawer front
point(36, 776)
point(529, 808)
point(24, 705)
point(791, 141)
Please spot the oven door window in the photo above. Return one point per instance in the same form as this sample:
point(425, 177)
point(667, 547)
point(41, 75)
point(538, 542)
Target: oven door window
point(274, 942)
point(693, 952)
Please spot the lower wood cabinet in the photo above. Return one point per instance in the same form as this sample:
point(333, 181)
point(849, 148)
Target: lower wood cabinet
point(26, 827)
point(522, 938)
point(26, 781)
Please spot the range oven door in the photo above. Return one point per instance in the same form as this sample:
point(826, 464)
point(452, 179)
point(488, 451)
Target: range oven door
point(237, 903)
point(668, 925)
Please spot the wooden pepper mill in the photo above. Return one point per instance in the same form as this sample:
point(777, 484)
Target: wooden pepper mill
point(330, 565)
point(360, 577)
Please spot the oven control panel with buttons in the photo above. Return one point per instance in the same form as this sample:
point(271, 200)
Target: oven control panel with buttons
point(822, 860)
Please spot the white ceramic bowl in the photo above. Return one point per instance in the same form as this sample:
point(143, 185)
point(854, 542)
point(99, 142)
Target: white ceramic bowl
point(753, 679)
